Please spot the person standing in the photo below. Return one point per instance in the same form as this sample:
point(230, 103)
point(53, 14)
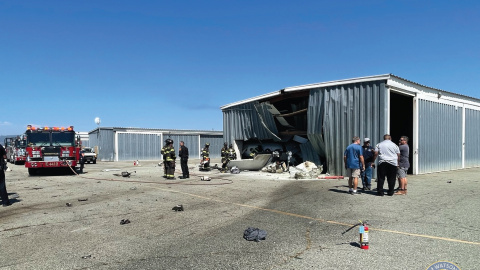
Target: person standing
point(183, 154)
point(170, 159)
point(224, 154)
point(164, 160)
point(366, 175)
point(388, 155)
point(3, 185)
point(403, 165)
point(354, 162)
point(81, 160)
point(205, 164)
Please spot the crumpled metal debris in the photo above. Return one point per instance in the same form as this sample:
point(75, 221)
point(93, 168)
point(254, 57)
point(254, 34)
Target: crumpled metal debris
point(86, 256)
point(83, 200)
point(68, 204)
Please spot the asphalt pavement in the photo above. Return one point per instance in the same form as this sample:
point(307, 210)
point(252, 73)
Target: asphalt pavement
point(65, 221)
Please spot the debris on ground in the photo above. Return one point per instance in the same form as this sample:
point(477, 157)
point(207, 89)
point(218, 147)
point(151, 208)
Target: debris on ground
point(254, 234)
point(178, 208)
point(86, 256)
point(235, 170)
point(449, 182)
point(68, 204)
point(109, 170)
point(274, 168)
point(306, 170)
point(133, 188)
point(124, 221)
point(124, 174)
point(205, 178)
point(83, 200)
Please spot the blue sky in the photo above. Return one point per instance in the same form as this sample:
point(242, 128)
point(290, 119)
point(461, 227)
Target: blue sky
point(172, 64)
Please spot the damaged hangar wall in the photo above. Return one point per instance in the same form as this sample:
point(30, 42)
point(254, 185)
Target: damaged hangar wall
point(335, 114)
point(339, 112)
point(243, 122)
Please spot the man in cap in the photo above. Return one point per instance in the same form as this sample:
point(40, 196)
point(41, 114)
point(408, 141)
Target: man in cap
point(403, 165)
point(366, 175)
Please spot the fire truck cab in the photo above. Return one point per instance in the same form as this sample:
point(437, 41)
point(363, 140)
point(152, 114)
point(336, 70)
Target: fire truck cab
point(16, 150)
point(8, 144)
point(51, 147)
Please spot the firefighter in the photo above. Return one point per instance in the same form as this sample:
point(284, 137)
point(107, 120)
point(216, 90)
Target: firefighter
point(205, 164)
point(170, 159)
point(224, 154)
point(232, 155)
point(164, 160)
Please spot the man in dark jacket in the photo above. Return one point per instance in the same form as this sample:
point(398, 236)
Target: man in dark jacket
point(366, 175)
point(3, 186)
point(183, 154)
point(81, 160)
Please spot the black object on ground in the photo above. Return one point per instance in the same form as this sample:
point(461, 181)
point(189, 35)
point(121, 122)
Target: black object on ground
point(254, 234)
point(68, 204)
point(178, 208)
point(83, 200)
point(124, 221)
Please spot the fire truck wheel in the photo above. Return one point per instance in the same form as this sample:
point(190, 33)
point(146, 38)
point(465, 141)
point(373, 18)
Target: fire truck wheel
point(94, 161)
point(32, 171)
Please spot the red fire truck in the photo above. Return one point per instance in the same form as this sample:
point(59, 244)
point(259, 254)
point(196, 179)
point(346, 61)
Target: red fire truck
point(51, 147)
point(16, 150)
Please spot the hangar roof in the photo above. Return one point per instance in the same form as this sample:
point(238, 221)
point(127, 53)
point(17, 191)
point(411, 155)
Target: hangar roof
point(388, 77)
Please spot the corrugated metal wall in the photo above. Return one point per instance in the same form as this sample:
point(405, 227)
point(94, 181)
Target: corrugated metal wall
point(242, 122)
point(139, 146)
point(104, 139)
point(191, 142)
point(472, 138)
point(147, 146)
point(216, 144)
point(337, 113)
point(439, 137)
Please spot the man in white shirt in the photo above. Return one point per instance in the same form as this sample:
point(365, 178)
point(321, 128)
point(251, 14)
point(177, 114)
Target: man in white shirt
point(388, 155)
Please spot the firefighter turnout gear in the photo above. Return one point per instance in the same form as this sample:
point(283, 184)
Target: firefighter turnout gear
point(164, 161)
point(169, 157)
point(229, 155)
point(223, 154)
point(205, 163)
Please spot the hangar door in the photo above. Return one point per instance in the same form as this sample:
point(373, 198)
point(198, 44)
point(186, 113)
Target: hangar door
point(138, 146)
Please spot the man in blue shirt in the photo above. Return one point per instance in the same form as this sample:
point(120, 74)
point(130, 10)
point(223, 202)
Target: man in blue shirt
point(354, 163)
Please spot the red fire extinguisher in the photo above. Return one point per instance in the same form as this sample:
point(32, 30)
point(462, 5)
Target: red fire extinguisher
point(363, 230)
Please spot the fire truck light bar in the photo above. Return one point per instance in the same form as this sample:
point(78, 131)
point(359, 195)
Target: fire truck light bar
point(32, 128)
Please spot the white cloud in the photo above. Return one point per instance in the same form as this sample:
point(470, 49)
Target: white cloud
point(5, 123)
